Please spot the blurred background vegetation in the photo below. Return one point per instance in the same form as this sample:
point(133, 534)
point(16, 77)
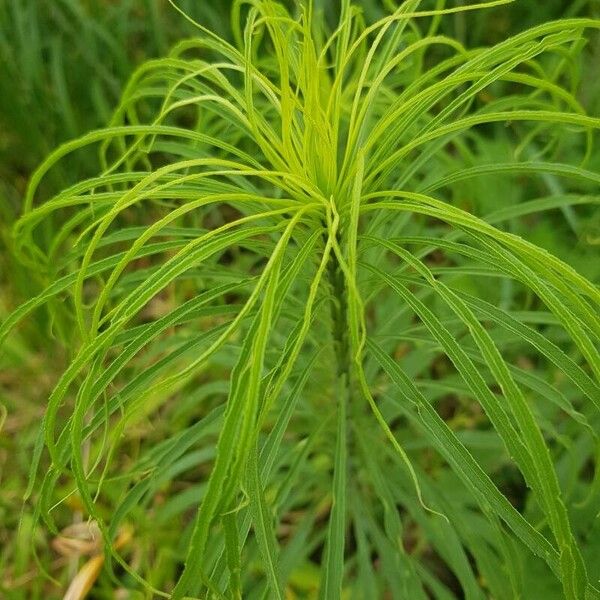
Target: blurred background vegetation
point(63, 64)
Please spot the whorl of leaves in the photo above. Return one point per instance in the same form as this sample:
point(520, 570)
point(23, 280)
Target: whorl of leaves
point(295, 251)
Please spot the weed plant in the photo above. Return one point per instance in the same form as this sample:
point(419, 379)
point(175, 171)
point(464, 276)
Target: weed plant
point(314, 351)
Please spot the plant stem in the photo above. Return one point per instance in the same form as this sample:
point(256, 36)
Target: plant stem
point(339, 318)
point(335, 542)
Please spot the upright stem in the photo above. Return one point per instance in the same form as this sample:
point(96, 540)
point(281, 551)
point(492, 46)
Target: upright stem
point(339, 318)
point(336, 534)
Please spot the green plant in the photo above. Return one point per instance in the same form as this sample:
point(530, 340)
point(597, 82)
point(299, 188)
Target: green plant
point(63, 66)
point(312, 352)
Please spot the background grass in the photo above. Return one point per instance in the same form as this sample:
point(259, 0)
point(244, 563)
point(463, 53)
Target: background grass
point(64, 66)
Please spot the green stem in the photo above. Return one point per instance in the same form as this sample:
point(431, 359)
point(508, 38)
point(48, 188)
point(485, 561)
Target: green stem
point(331, 586)
point(339, 318)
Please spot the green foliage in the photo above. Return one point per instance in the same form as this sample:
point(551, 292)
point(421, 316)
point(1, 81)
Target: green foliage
point(64, 64)
point(313, 351)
